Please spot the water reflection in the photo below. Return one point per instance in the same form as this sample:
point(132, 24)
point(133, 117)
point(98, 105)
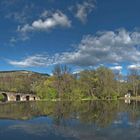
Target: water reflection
point(88, 120)
point(127, 101)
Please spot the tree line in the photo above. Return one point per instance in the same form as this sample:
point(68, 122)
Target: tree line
point(100, 83)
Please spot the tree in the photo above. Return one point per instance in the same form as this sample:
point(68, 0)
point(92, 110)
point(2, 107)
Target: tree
point(106, 82)
point(133, 80)
point(45, 89)
point(88, 83)
point(64, 81)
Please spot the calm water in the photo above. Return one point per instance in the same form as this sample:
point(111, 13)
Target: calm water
point(86, 120)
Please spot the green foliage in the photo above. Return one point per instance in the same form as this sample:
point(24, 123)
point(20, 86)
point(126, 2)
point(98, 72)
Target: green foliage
point(45, 89)
point(1, 97)
point(102, 83)
point(19, 81)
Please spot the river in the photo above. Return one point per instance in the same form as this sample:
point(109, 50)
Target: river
point(80, 120)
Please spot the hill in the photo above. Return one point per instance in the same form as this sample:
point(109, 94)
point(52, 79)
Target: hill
point(20, 81)
point(21, 72)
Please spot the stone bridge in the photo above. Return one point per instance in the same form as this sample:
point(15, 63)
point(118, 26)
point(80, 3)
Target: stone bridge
point(10, 96)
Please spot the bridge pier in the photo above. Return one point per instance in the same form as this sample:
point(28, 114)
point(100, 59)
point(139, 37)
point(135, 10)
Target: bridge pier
point(19, 97)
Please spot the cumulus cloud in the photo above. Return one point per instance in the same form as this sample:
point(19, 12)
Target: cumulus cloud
point(134, 67)
point(57, 19)
point(84, 9)
point(108, 47)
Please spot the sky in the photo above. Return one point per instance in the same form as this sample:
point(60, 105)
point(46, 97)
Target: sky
point(36, 35)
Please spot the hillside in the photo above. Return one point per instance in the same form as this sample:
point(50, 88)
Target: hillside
point(20, 81)
point(21, 72)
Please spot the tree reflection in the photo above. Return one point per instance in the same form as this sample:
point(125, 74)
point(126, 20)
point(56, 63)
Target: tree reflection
point(99, 113)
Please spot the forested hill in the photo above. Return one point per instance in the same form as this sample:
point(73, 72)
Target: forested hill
point(20, 81)
point(21, 72)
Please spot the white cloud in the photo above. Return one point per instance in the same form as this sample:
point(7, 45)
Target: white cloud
point(77, 71)
point(57, 19)
point(134, 67)
point(45, 14)
point(84, 9)
point(25, 28)
point(108, 47)
point(116, 68)
point(35, 61)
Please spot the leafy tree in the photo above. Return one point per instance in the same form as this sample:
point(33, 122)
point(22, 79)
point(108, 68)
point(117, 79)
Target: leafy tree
point(106, 82)
point(45, 89)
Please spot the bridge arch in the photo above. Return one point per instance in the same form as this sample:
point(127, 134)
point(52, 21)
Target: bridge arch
point(5, 97)
point(27, 98)
point(10, 96)
point(18, 98)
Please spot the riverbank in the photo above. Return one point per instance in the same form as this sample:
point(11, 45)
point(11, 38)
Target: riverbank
point(83, 99)
point(131, 98)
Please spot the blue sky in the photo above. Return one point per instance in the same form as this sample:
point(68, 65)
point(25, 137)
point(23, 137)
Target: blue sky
point(35, 35)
